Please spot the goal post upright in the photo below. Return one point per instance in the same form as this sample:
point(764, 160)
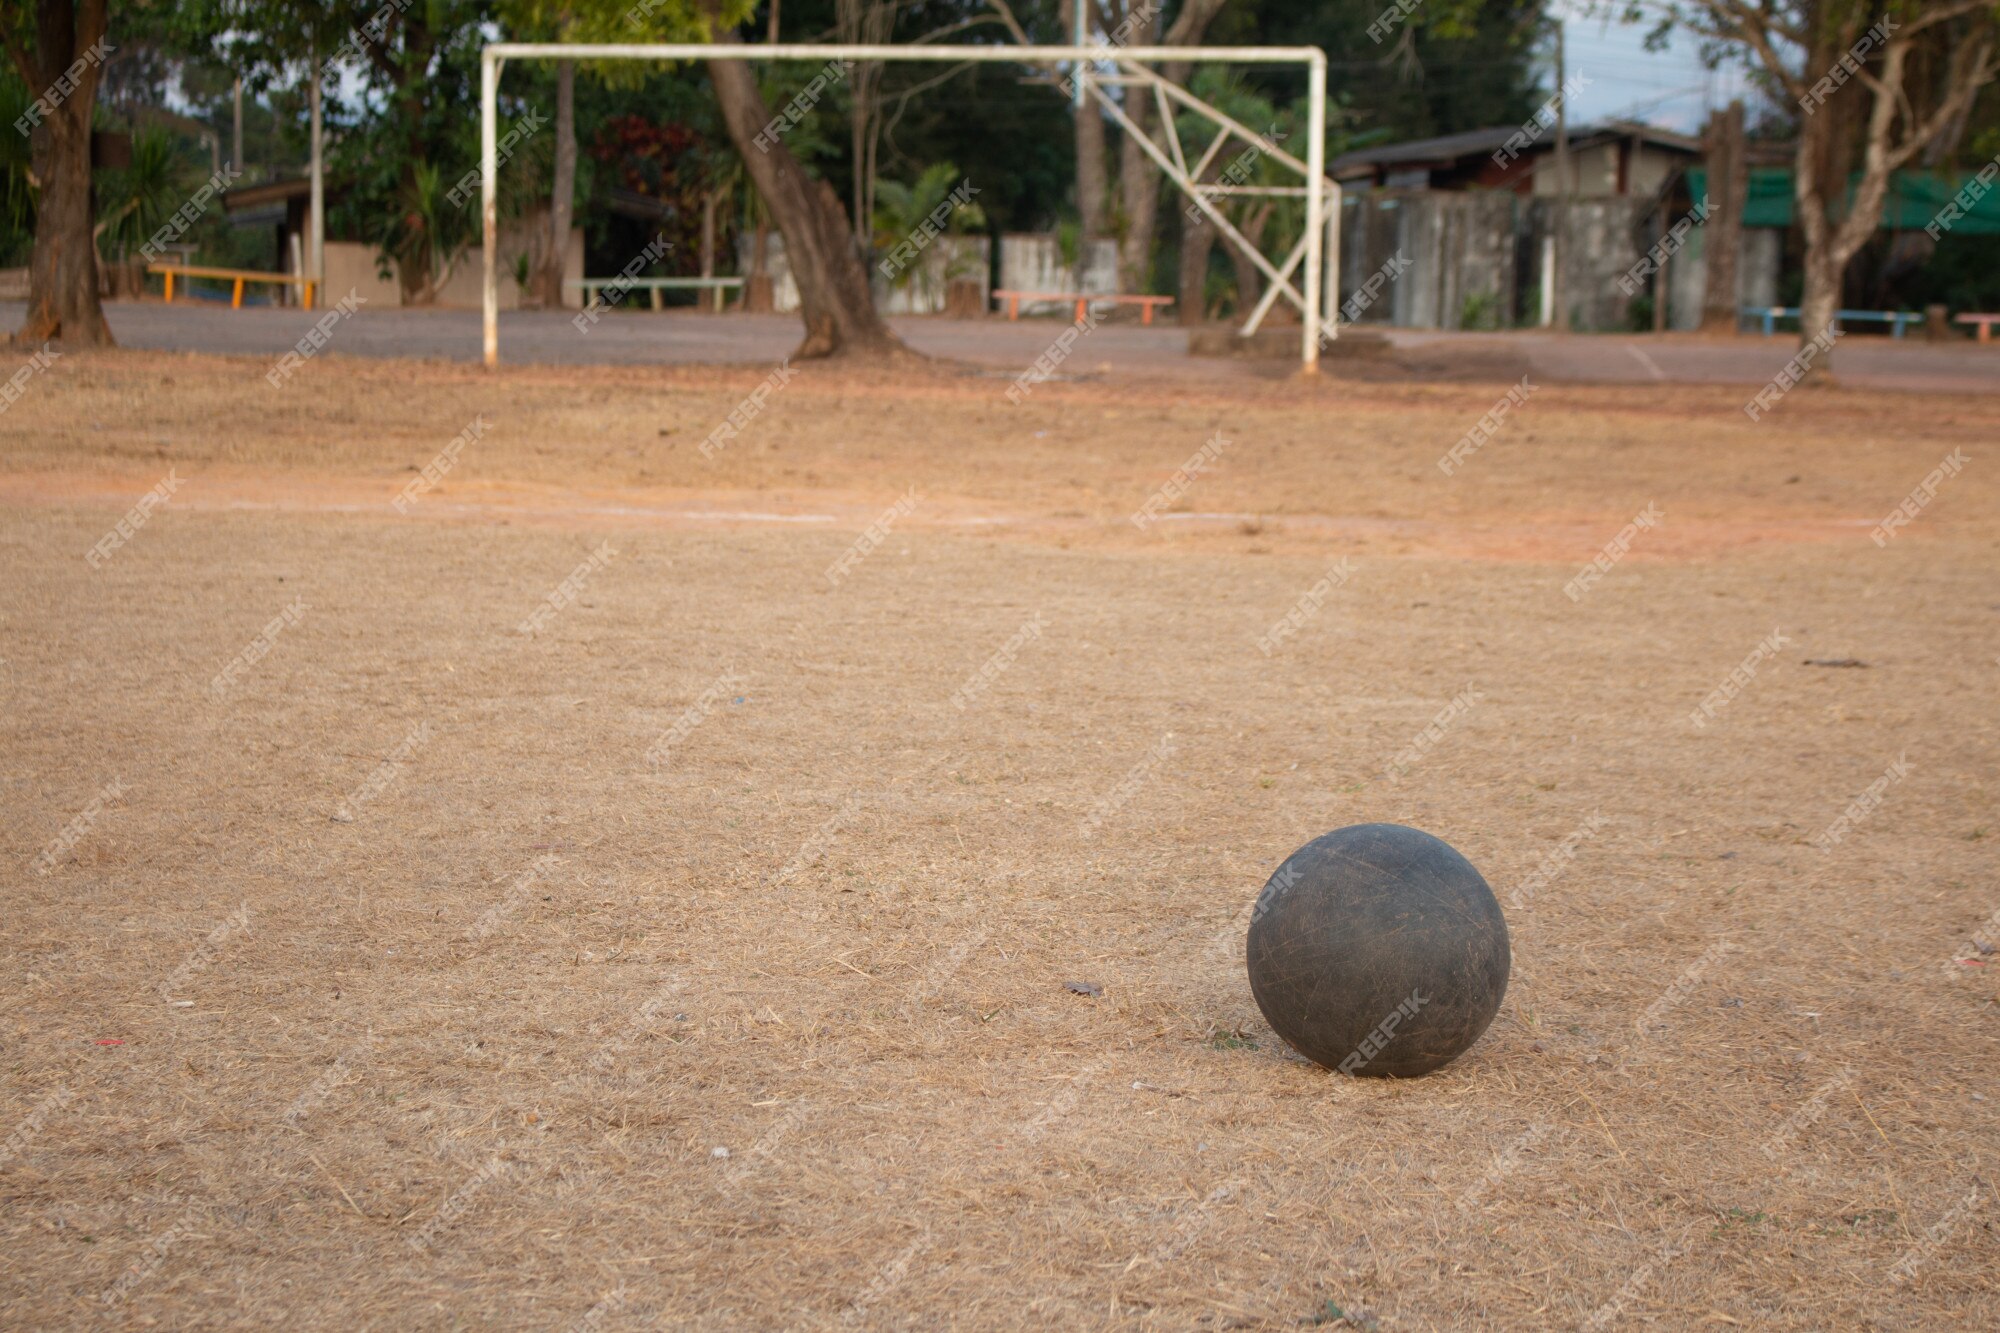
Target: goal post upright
point(1315, 188)
point(489, 202)
point(1315, 204)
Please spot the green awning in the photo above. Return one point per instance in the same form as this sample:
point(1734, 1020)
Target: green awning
point(1915, 198)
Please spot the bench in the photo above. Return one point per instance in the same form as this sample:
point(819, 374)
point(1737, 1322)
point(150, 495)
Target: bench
point(591, 286)
point(1771, 314)
point(1083, 300)
point(1984, 323)
point(237, 275)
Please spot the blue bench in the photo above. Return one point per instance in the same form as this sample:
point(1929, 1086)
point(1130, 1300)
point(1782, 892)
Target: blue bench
point(1771, 314)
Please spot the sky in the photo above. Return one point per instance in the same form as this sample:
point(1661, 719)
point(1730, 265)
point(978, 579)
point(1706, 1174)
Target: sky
point(1668, 88)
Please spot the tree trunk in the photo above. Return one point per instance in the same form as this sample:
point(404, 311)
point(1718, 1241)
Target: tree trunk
point(62, 271)
point(562, 198)
point(706, 301)
point(834, 298)
point(1139, 202)
point(1197, 243)
point(1093, 185)
point(1819, 304)
point(1249, 278)
point(1826, 130)
point(1728, 182)
point(1138, 177)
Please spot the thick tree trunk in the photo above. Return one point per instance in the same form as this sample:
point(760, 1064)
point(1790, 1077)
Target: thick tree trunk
point(1197, 243)
point(834, 297)
point(562, 196)
point(1139, 201)
point(1093, 185)
point(1728, 182)
point(1249, 278)
point(1139, 178)
point(62, 271)
point(1819, 304)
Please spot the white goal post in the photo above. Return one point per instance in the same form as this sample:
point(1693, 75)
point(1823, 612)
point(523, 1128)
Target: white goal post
point(1318, 248)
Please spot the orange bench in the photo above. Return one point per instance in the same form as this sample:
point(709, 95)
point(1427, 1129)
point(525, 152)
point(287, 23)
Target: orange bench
point(238, 275)
point(1984, 323)
point(1146, 304)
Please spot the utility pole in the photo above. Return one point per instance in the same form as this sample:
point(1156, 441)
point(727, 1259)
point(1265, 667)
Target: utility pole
point(1565, 187)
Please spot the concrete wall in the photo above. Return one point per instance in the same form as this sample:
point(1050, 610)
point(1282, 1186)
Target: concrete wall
point(922, 292)
point(1604, 241)
point(1033, 262)
point(352, 266)
point(1459, 248)
point(1475, 257)
point(1649, 170)
point(1757, 266)
point(1596, 171)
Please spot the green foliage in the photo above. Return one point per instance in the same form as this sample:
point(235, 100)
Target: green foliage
point(1479, 310)
point(17, 196)
point(428, 230)
point(133, 201)
point(1450, 65)
point(1069, 242)
point(900, 210)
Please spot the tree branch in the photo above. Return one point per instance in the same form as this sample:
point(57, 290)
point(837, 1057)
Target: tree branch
point(1753, 29)
point(1941, 13)
point(1005, 14)
point(1980, 68)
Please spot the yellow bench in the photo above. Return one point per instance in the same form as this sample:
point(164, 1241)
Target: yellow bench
point(238, 275)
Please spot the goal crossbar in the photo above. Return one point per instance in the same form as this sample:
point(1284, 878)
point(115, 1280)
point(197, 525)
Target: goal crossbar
point(1321, 195)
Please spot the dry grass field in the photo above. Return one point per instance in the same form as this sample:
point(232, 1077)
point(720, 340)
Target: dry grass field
point(380, 952)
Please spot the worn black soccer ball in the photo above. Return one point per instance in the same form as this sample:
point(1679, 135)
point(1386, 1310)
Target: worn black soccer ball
point(1378, 950)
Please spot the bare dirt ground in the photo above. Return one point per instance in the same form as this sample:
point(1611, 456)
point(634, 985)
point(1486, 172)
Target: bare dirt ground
point(683, 953)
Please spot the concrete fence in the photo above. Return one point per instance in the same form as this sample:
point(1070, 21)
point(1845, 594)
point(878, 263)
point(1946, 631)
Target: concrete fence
point(1477, 259)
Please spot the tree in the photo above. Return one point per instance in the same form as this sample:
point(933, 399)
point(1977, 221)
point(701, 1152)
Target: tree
point(554, 20)
point(1093, 204)
point(826, 261)
point(546, 284)
point(1441, 67)
point(1864, 77)
point(407, 132)
point(60, 56)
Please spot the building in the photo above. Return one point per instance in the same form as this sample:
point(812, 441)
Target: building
point(1616, 159)
point(353, 264)
point(1468, 220)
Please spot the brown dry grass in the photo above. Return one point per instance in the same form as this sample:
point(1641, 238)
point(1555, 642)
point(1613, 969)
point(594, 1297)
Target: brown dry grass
point(926, 1129)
